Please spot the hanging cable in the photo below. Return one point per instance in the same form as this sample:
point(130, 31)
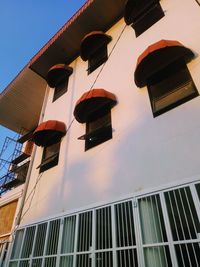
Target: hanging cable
point(100, 71)
point(32, 192)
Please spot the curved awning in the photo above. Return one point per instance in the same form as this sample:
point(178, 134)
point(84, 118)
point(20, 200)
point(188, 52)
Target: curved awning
point(133, 9)
point(91, 42)
point(57, 74)
point(157, 56)
point(91, 102)
point(49, 132)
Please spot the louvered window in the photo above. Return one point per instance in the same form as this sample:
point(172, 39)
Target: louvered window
point(97, 58)
point(98, 130)
point(50, 157)
point(60, 89)
point(171, 87)
point(161, 229)
point(142, 14)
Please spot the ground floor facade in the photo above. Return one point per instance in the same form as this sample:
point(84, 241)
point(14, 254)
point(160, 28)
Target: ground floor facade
point(158, 228)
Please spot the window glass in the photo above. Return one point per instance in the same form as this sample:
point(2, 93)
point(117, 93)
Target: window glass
point(68, 235)
point(60, 89)
point(50, 157)
point(53, 236)
point(97, 58)
point(98, 130)
point(171, 87)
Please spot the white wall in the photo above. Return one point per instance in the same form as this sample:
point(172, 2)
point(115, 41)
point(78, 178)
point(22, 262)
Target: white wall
point(144, 151)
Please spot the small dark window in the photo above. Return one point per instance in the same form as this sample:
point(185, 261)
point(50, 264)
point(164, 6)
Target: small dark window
point(60, 89)
point(50, 157)
point(144, 14)
point(97, 58)
point(98, 128)
point(171, 87)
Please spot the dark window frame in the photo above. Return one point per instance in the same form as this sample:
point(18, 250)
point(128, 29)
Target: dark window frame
point(61, 88)
point(176, 74)
point(149, 14)
point(97, 58)
point(98, 128)
point(50, 161)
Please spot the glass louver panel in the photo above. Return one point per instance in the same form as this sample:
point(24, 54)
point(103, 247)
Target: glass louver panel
point(40, 240)
point(182, 214)
point(127, 258)
point(83, 260)
point(188, 255)
point(68, 234)
point(13, 264)
point(24, 263)
point(85, 231)
point(104, 259)
point(157, 256)
point(53, 236)
point(103, 228)
point(17, 244)
point(50, 262)
point(66, 261)
point(152, 222)
point(37, 263)
point(28, 242)
point(198, 189)
point(125, 234)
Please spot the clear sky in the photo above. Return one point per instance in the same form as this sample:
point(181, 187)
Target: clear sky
point(25, 26)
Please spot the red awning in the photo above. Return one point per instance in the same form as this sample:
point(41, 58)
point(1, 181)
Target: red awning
point(91, 102)
point(157, 56)
point(57, 74)
point(49, 132)
point(92, 41)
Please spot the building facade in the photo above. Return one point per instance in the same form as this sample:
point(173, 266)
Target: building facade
point(112, 105)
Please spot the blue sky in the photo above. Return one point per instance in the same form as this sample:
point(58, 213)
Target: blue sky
point(25, 26)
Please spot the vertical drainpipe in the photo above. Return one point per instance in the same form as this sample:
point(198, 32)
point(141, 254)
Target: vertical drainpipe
point(25, 189)
point(17, 221)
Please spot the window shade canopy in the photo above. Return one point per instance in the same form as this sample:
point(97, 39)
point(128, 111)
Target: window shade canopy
point(91, 103)
point(157, 56)
point(91, 42)
point(134, 9)
point(57, 74)
point(49, 132)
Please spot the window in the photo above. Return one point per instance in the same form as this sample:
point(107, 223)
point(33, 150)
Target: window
point(142, 14)
point(94, 49)
point(171, 87)
point(98, 129)
point(50, 157)
point(57, 78)
point(60, 88)
point(97, 58)
point(160, 229)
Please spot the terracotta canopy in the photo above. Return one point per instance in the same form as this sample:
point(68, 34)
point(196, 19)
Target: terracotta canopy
point(91, 103)
point(134, 9)
point(157, 56)
point(91, 42)
point(57, 74)
point(49, 132)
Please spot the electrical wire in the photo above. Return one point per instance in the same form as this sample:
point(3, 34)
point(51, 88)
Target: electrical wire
point(33, 190)
point(100, 71)
point(70, 125)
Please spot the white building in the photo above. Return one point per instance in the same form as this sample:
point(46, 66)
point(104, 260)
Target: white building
point(127, 192)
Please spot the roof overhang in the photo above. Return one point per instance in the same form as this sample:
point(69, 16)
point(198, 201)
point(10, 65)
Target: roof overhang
point(64, 47)
point(21, 101)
